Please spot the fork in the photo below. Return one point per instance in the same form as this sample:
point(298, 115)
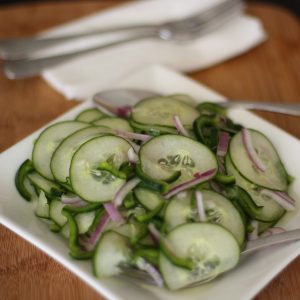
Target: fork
point(132, 96)
point(253, 245)
point(179, 31)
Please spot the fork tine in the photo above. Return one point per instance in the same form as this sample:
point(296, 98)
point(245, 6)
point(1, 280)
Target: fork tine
point(135, 271)
point(136, 274)
point(208, 14)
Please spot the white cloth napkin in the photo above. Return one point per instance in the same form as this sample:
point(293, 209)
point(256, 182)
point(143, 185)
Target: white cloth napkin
point(83, 76)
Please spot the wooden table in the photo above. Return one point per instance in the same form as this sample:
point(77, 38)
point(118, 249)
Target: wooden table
point(269, 72)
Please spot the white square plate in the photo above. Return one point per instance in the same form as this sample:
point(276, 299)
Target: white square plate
point(253, 272)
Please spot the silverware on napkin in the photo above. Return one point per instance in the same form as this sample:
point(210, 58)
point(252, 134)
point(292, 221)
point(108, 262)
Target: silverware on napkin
point(18, 53)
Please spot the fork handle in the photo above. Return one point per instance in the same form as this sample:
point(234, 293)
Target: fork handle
point(20, 48)
point(287, 236)
point(284, 108)
point(17, 69)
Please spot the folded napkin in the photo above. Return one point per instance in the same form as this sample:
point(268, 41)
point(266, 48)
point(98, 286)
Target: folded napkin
point(83, 76)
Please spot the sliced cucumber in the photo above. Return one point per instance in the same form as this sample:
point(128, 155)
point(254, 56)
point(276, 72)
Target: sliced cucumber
point(263, 226)
point(184, 98)
point(274, 177)
point(149, 199)
point(62, 156)
point(84, 221)
point(211, 248)
point(89, 183)
point(49, 187)
point(114, 123)
point(90, 115)
point(270, 210)
point(111, 251)
point(133, 230)
point(42, 208)
point(47, 142)
point(65, 231)
point(220, 210)
point(154, 130)
point(161, 156)
point(55, 212)
point(160, 111)
point(179, 211)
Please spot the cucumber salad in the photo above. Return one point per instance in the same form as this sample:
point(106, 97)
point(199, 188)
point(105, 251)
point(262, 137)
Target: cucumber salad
point(169, 187)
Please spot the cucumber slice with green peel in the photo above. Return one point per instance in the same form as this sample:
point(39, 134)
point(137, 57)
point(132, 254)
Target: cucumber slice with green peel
point(133, 230)
point(149, 199)
point(55, 212)
point(62, 156)
point(154, 130)
point(51, 188)
point(54, 227)
point(65, 231)
point(114, 123)
point(48, 141)
point(184, 98)
point(90, 115)
point(84, 221)
point(219, 210)
point(263, 226)
point(212, 249)
point(42, 208)
point(270, 210)
point(179, 211)
point(274, 177)
point(112, 250)
point(161, 156)
point(160, 111)
point(89, 183)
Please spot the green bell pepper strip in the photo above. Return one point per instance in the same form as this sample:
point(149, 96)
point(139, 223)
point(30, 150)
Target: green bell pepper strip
point(24, 169)
point(74, 249)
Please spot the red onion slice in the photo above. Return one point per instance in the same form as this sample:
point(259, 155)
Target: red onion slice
point(133, 135)
point(285, 196)
point(112, 110)
point(281, 198)
point(74, 201)
point(179, 126)
point(199, 177)
point(142, 264)
point(132, 156)
point(124, 111)
point(223, 143)
point(272, 230)
point(200, 206)
point(154, 232)
point(90, 242)
point(113, 212)
point(216, 187)
point(158, 237)
point(247, 141)
point(124, 190)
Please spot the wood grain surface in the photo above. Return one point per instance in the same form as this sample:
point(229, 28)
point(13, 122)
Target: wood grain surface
point(270, 72)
